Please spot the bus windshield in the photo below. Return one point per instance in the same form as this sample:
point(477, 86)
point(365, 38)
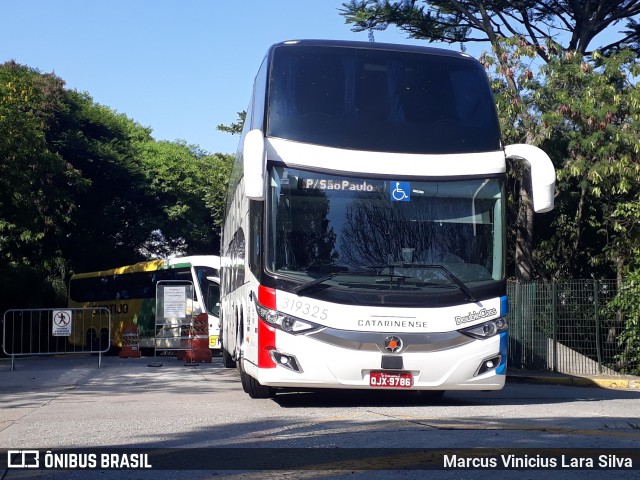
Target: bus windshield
point(367, 233)
point(381, 100)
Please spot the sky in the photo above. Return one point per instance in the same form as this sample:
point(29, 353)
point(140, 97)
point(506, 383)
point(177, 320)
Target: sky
point(179, 67)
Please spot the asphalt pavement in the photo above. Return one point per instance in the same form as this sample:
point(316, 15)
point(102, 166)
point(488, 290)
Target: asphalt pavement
point(50, 370)
point(47, 397)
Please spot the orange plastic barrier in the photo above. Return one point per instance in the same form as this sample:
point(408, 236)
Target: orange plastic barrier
point(130, 342)
point(199, 351)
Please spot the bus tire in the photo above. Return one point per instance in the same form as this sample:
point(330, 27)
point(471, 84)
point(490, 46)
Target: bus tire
point(243, 381)
point(227, 361)
point(254, 388)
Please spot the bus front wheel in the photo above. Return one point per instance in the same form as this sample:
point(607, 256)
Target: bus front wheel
point(254, 388)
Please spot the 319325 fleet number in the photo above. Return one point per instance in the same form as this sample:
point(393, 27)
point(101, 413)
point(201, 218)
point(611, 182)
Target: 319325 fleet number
point(295, 306)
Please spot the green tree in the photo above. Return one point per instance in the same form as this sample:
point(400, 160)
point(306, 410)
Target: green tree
point(84, 188)
point(111, 219)
point(482, 21)
point(215, 197)
point(514, 30)
point(592, 110)
point(188, 187)
point(236, 127)
point(35, 208)
point(584, 112)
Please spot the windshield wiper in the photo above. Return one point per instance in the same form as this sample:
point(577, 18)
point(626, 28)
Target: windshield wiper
point(300, 289)
point(312, 283)
point(459, 283)
point(303, 287)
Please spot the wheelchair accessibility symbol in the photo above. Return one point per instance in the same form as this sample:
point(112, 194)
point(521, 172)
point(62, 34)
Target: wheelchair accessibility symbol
point(400, 191)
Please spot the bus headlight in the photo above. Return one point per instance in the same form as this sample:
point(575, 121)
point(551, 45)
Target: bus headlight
point(486, 329)
point(285, 322)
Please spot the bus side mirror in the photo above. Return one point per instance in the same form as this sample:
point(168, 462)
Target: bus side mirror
point(254, 165)
point(543, 174)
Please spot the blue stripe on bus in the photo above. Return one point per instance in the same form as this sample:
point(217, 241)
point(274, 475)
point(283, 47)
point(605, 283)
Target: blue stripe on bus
point(504, 306)
point(504, 342)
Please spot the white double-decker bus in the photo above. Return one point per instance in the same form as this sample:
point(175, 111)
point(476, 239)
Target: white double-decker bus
point(364, 240)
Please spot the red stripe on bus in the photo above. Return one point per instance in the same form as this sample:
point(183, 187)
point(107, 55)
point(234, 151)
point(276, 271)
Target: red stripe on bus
point(266, 343)
point(267, 297)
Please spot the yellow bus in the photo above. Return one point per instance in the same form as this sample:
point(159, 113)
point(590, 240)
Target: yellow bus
point(129, 293)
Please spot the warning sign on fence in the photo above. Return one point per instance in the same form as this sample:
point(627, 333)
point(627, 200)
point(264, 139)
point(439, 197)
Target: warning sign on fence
point(175, 302)
point(61, 326)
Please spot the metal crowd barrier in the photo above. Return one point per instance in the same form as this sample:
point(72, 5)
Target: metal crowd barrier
point(56, 331)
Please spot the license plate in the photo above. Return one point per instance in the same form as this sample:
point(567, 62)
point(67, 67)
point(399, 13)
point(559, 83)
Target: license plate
point(391, 379)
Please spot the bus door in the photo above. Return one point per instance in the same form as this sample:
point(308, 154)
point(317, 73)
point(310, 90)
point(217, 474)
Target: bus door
point(212, 304)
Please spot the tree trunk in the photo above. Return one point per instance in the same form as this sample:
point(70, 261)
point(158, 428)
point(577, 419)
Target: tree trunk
point(524, 264)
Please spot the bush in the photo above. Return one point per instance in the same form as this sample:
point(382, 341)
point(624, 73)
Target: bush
point(627, 304)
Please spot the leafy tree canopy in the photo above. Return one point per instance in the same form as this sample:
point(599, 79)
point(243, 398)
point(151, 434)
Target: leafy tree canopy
point(236, 127)
point(83, 187)
point(189, 190)
point(35, 208)
point(582, 108)
point(471, 21)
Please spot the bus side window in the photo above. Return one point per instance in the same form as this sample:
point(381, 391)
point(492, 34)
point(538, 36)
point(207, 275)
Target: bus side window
point(255, 217)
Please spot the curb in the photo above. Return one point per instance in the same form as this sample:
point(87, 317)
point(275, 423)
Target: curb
point(610, 383)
